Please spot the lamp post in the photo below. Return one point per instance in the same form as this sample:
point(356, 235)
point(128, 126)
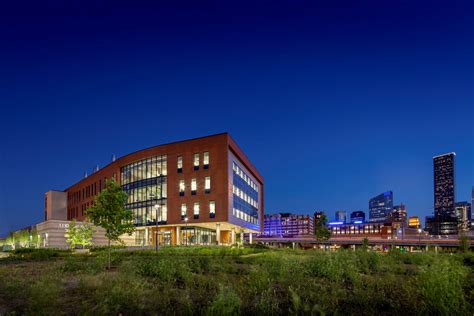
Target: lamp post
point(186, 222)
point(156, 227)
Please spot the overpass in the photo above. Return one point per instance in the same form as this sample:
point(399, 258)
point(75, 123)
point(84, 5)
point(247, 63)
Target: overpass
point(310, 241)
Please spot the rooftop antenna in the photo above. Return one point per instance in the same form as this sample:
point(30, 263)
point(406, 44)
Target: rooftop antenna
point(85, 174)
point(113, 157)
point(96, 168)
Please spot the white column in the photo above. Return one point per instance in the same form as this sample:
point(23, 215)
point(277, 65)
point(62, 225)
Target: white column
point(232, 236)
point(218, 233)
point(146, 236)
point(178, 236)
point(250, 238)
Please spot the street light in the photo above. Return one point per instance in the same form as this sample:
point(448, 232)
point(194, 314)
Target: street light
point(186, 221)
point(156, 227)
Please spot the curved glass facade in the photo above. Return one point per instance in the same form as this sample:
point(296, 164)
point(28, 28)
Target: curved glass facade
point(144, 182)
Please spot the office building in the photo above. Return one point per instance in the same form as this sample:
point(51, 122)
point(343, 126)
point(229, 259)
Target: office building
point(287, 225)
point(463, 214)
point(399, 214)
point(414, 222)
point(444, 194)
point(429, 224)
point(357, 217)
point(380, 207)
point(199, 191)
point(376, 230)
point(341, 216)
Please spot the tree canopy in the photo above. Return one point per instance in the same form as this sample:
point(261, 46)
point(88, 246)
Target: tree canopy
point(321, 231)
point(79, 234)
point(109, 212)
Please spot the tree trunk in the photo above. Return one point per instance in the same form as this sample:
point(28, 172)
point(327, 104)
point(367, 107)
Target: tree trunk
point(109, 254)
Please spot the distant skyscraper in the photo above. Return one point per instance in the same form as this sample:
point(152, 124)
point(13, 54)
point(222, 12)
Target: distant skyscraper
point(399, 214)
point(463, 214)
point(444, 190)
point(380, 207)
point(341, 216)
point(444, 194)
point(357, 217)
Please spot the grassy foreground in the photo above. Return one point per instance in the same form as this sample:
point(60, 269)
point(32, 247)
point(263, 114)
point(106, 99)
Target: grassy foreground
point(225, 281)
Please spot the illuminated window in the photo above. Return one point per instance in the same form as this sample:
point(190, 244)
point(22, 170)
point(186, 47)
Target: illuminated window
point(164, 170)
point(181, 187)
point(163, 214)
point(193, 186)
point(207, 184)
point(212, 209)
point(206, 160)
point(196, 161)
point(196, 210)
point(180, 164)
point(183, 211)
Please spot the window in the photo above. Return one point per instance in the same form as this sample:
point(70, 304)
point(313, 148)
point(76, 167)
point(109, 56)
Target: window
point(206, 160)
point(212, 209)
point(196, 161)
point(193, 186)
point(163, 214)
point(196, 210)
point(207, 185)
point(183, 211)
point(181, 187)
point(180, 164)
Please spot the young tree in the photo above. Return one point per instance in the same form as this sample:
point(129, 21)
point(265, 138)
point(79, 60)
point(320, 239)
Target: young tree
point(85, 232)
point(365, 244)
point(321, 231)
point(109, 213)
point(79, 234)
point(10, 241)
point(72, 234)
point(22, 238)
point(464, 243)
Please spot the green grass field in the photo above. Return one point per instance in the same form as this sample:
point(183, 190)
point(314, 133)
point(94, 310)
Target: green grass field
point(225, 281)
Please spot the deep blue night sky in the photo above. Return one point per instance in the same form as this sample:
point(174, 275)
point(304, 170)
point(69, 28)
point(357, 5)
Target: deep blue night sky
point(334, 102)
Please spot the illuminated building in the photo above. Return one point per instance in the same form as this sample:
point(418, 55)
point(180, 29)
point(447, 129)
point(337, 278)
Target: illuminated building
point(357, 217)
point(380, 207)
point(444, 194)
point(376, 230)
point(287, 225)
point(463, 214)
point(414, 222)
point(198, 191)
point(399, 214)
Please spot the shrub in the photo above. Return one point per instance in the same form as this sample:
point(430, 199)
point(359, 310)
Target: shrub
point(166, 270)
point(226, 303)
point(38, 254)
point(441, 285)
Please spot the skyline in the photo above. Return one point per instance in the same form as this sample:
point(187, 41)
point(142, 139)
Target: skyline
point(333, 104)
